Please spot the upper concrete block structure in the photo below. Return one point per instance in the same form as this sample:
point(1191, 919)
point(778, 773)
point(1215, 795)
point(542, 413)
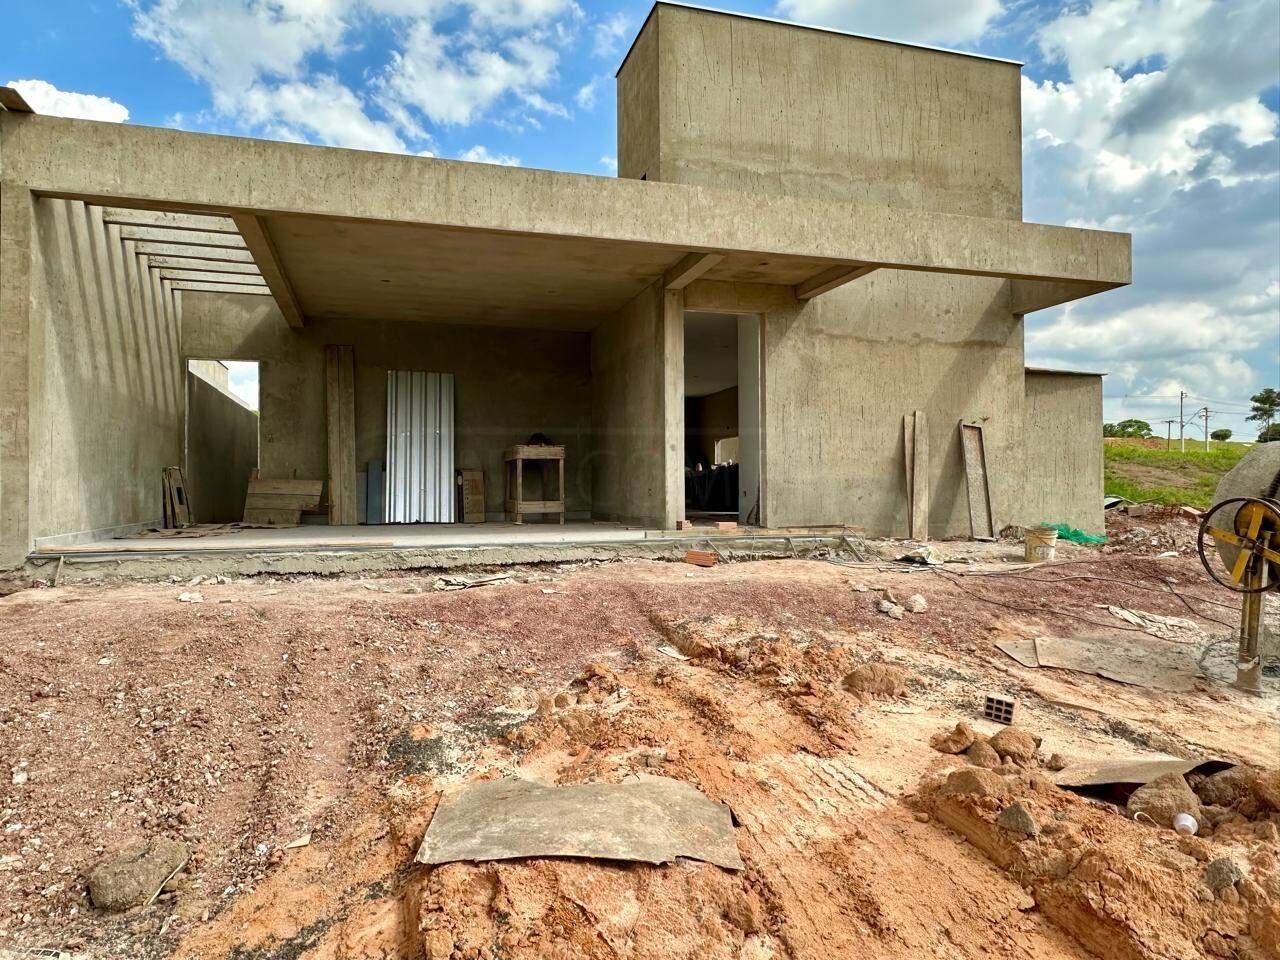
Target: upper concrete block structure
point(853, 205)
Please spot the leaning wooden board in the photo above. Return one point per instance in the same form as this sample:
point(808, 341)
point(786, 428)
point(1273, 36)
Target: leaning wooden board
point(281, 502)
point(977, 481)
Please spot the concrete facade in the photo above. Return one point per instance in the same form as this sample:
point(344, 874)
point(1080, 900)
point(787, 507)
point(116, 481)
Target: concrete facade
point(221, 444)
point(862, 199)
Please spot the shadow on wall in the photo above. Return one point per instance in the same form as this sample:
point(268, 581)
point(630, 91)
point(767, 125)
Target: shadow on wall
point(222, 452)
point(106, 402)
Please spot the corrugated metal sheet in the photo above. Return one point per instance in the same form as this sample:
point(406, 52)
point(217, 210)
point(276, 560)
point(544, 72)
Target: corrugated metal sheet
point(420, 435)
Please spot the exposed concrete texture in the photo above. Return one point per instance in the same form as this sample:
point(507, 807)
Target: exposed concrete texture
point(106, 388)
point(783, 110)
point(122, 164)
point(637, 392)
point(222, 451)
point(509, 383)
point(17, 218)
point(706, 420)
point(1063, 450)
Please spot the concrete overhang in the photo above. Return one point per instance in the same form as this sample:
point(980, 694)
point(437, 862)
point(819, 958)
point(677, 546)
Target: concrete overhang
point(369, 235)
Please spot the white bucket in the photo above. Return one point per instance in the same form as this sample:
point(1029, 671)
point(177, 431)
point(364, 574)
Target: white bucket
point(1042, 543)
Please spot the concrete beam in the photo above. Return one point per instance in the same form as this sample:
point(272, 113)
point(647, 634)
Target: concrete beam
point(120, 164)
point(258, 239)
point(207, 266)
point(189, 238)
point(819, 284)
point(1027, 296)
point(252, 280)
point(220, 287)
point(218, 254)
point(689, 269)
point(129, 217)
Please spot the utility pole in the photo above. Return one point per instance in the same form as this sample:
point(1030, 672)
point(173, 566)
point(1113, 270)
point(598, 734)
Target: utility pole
point(1207, 413)
point(1182, 423)
point(1168, 434)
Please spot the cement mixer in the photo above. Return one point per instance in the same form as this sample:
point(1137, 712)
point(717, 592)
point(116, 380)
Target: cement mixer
point(1239, 545)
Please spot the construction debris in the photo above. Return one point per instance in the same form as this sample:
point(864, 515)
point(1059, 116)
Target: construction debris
point(1131, 658)
point(999, 709)
point(701, 558)
point(651, 820)
point(135, 876)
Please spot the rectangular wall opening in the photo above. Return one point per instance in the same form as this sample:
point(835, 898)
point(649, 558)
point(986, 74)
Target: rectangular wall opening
point(722, 418)
point(221, 437)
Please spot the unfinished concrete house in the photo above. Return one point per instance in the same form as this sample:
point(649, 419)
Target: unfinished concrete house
point(805, 286)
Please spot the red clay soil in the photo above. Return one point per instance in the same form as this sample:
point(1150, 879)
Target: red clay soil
point(325, 707)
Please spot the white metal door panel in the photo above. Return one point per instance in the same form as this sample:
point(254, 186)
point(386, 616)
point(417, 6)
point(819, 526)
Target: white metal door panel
point(419, 476)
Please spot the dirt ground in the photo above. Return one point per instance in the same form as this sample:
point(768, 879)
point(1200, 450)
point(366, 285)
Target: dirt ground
point(337, 711)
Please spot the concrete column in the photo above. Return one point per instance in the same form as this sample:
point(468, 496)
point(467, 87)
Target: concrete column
point(17, 234)
point(671, 356)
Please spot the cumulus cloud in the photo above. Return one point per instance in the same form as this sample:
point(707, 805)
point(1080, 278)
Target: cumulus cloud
point(611, 33)
point(921, 21)
point(1159, 130)
point(481, 154)
point(45, 98)
point(610, 164)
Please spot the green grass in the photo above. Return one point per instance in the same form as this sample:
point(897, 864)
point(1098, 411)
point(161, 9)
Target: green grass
point(1144, 473)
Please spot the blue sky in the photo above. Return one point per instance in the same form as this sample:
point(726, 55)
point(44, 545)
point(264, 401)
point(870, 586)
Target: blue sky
point(1149, 116)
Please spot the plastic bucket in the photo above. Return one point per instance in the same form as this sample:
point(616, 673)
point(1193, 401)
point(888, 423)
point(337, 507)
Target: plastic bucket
point(1042, 544)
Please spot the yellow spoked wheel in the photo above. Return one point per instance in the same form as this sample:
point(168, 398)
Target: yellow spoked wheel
point(1245, 532)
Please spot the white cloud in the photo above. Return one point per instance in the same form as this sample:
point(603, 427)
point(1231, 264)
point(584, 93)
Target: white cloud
point(610, 164)
point(610, 34)
point(1159, 131)
point(921, 21)
point(45, 98)
point(242, 376)
point(588, 93)
point(481, 154)
point(321, 111)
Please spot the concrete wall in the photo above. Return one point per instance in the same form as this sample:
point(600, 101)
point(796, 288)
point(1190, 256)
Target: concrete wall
point(1063, 450)
point(783, 110)
point(106, 398)
point(510, 383)
point(637, 398)
point(222, 450)
point(788, 111)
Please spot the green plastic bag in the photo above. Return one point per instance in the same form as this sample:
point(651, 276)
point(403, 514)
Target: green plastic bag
point(1075, 536)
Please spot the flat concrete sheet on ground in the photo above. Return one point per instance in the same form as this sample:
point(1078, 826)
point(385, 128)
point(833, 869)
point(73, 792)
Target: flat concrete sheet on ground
point(1134, 658)
point(651, 820)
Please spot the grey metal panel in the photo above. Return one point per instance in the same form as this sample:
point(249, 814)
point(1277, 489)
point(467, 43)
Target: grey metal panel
point(420, 439)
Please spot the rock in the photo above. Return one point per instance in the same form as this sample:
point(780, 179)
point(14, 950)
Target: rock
point(1227, 788)
point(916, 603)
point(1163, 799)
point(982, 754)
point(1221, 874)
point(955, 741)
point(1267, 789)
point(1056, 762)
point(892, 609)
point(877, 679)
point(563, 700)
point(190, 598)
point(1014, 744)
point(975, 780)
point(922, 817)
point(860, 587)
point(133, 877)
point(1017, 819)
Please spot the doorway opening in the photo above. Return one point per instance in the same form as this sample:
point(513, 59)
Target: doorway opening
point(221, 437)
point(722, 417)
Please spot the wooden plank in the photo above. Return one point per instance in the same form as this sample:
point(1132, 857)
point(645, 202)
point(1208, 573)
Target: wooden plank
point(526, 451)
point(206, 287)
point(909, 459)
point(179, 507)
point(689, 269)
point(537, 506)
point(13, 101)
point(258, 239)
point(977, 482)
point(920, 477)
point(275, 518)
point(216, 254)
point(128, 217)
point(208, 266)
point(828, 280)
point(185, 238)
point(313, 487)
point(281, 501)
point(202, 276)
point(340, 413)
